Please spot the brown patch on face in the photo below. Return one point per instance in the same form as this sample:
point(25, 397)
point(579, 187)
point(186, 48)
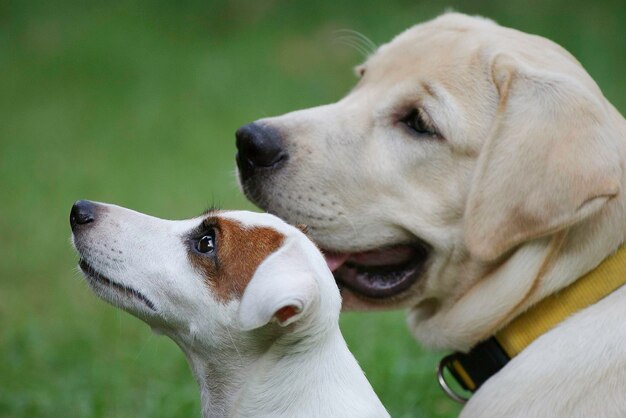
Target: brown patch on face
point(238, 253)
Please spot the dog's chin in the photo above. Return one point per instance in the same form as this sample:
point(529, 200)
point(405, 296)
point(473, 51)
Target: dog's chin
point(117, 294)
point(378, 277)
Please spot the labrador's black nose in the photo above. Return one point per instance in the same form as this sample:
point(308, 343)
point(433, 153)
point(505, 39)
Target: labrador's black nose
point(258, 147)
point(83, 212)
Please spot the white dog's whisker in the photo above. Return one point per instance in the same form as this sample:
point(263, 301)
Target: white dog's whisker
point(354, 44)
point(364, 43)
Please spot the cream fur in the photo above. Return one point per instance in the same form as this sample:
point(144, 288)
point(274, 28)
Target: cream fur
point(521, 194)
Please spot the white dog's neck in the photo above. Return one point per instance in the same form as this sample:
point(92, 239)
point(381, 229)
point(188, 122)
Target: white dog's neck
point(312, 374)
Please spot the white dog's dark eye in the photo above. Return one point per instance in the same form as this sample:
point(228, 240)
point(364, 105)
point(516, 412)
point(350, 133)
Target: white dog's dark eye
point(416, 122)
point(206, 244)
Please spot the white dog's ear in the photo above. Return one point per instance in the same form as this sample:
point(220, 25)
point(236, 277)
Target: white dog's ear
point(282, 289)
point(550, 161)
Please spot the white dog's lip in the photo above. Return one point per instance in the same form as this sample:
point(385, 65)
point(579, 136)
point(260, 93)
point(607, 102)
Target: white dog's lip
point(94, 275)
point(380, 273)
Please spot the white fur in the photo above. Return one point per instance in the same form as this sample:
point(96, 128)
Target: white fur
point(521, 194)
point(285, 279)
point(246, 364)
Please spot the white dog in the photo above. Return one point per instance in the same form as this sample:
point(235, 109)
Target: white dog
point(248, 298)
point(473, 172)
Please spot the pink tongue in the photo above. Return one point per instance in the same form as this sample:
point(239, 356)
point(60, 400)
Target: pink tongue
point(388, 256)
point(335, 260)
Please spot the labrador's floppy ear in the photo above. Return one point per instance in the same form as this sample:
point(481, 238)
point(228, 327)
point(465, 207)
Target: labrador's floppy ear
point(551, 159)
point(282, 288)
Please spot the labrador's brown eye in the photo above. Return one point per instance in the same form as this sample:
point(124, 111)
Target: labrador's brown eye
point(206, 244)
point(415, 121)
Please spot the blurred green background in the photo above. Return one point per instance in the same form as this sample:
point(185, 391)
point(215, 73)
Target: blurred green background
point(136, 103)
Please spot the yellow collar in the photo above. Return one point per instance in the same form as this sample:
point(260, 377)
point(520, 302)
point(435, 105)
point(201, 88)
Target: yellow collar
point(488, 357)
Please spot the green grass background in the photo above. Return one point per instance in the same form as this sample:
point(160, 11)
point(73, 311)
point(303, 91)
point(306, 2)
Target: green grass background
point(136, 102)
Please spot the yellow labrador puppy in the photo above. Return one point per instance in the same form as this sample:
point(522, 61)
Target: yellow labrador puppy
point(473, 172)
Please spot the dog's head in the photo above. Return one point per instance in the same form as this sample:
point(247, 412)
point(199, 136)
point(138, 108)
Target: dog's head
point(461, 140)
point(204, 280)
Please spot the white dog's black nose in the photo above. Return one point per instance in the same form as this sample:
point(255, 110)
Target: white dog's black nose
point(258, 147)
point(83, 212)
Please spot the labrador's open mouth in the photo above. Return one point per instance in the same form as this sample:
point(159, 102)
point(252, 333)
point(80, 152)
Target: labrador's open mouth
point(379, 273)
point(93, 275)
